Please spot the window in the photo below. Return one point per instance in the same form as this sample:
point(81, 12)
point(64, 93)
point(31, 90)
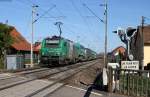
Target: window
point(52, 43)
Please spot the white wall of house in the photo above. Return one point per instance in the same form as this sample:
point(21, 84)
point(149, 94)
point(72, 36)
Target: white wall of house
point(146, 55)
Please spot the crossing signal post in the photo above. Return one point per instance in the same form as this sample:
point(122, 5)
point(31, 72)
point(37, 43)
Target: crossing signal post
point(130, 32)
point(125, 36)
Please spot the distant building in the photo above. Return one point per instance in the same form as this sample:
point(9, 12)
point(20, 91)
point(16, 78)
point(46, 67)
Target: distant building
point(37, 46)
point(120, 49)
point(140, 45)
point(117, 54)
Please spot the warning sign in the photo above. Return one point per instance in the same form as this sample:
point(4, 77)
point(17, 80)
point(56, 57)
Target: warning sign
point(133, 65)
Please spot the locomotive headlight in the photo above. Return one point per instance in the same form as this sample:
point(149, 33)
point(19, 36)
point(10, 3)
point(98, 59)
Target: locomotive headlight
point(42, 53)
point(62, 53)
point(58, 53)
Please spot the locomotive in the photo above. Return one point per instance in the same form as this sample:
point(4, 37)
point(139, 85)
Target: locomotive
point(59, 50)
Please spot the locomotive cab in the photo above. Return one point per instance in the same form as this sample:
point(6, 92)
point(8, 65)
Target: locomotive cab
point(53, 49)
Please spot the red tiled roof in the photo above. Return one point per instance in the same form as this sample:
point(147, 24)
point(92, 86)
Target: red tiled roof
point(120, 49)
point(20, 43)
point(38, 47)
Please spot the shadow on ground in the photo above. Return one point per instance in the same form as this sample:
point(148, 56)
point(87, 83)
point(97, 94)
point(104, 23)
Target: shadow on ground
point(97, 85)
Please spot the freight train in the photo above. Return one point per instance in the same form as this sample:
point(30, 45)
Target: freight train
point(59, 50)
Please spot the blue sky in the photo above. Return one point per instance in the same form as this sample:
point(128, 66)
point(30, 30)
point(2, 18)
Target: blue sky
point(78, 23)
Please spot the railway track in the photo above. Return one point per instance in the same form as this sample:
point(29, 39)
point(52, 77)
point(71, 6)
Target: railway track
point(19, 70)
point(51, 78)
point(8, 75)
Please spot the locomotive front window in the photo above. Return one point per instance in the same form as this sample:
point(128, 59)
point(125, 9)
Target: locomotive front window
point(52, 43)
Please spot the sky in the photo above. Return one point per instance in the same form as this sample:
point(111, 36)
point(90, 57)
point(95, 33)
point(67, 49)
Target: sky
point(79, 24)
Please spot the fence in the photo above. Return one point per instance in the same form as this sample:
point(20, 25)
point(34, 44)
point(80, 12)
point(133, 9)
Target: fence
point(129, 82)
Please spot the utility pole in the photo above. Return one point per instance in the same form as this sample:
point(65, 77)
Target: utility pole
point(105, 77)
point(142, 25)
point(32, 33)
point(105, 52)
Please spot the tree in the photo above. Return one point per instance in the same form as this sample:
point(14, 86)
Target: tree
point(5, 42)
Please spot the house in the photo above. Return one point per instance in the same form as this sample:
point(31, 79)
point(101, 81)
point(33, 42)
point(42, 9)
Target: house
point(21, 46)
point(140, 45)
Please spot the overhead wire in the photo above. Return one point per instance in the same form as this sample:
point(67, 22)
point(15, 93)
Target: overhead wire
point(58, 10)
point(65, 25)
point(44, 13)
point(147, 18)
point(90, 24)
point(96, 38)
point(31, 2)
point(89, 16)
point(93, 13)
point(27, 4)
point(78, 11)
point(82, 17)
point(83, 3)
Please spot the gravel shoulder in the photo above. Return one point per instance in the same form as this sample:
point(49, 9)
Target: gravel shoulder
point(86, 76)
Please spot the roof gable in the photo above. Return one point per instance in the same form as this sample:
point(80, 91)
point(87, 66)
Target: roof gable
point(20, 43)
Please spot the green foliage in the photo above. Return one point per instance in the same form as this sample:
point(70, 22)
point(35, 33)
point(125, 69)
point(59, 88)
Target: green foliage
point(5, 40)
point(5, 37)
